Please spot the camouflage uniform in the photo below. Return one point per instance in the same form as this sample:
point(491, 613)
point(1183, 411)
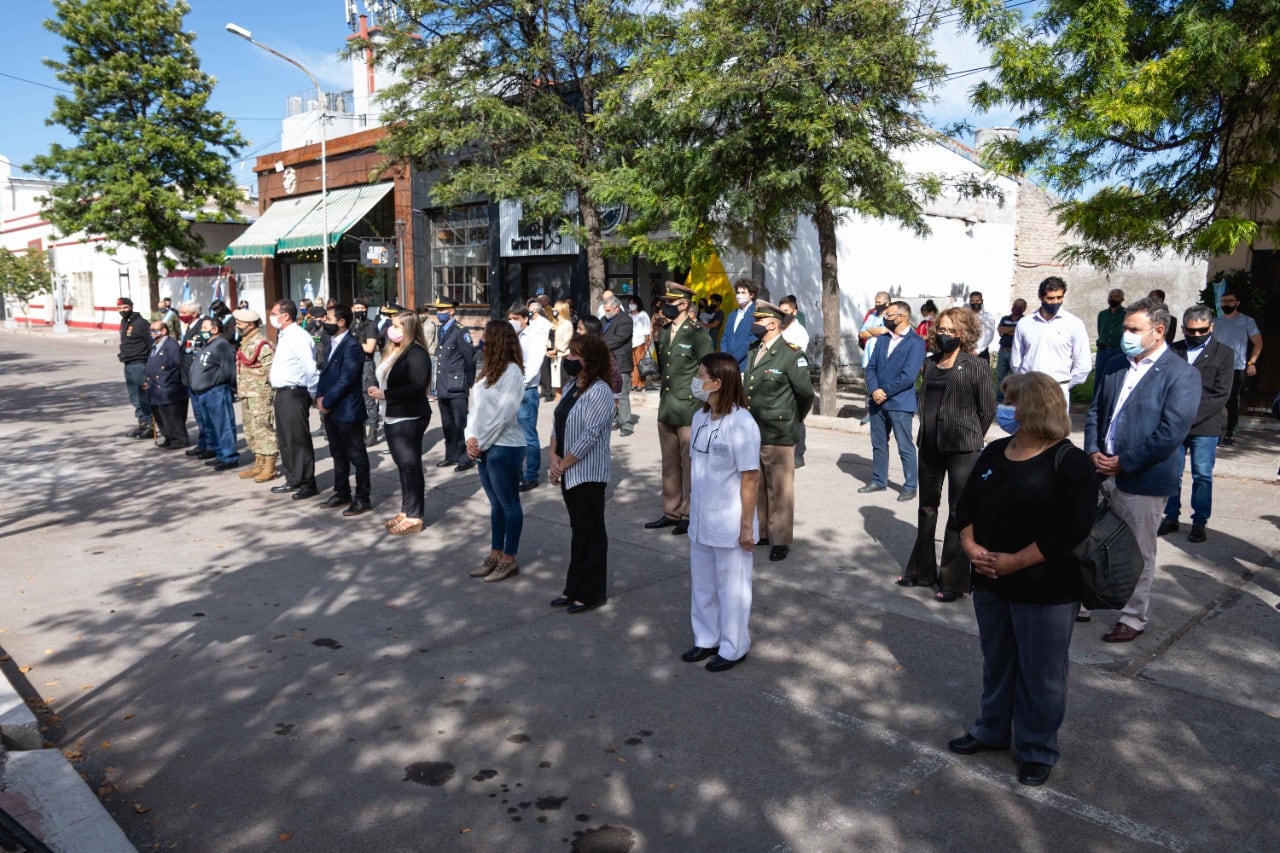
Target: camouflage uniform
point(256, 395)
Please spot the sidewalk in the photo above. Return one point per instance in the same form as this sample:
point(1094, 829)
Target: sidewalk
point(238, 671)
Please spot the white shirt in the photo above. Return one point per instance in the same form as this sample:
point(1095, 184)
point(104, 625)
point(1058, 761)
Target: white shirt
point(541, 326)
point(719, 451)
point(747, 312)
point(641, 326)
point(294, 362)
point(493, 416)
point(533, 347)
point(895, 338)
point(1058, 347)
point(333, 345)
point(988, 322)
point(1137, 370)
point(796, 334)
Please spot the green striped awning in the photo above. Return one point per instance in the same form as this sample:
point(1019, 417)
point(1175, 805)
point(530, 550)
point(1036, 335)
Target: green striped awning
point(261, 238)
point(346, 207)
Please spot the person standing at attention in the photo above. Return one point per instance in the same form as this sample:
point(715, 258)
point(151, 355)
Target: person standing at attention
point(533, 352)
point(294, 376)
point(1238, 331)
point(891, 379)
point(1110, 328)
point(737, 326)
point(456, 362)
point(1052, 341)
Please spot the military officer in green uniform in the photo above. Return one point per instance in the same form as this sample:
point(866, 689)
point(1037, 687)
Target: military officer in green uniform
point(779, 395)
point(681, 344)
point(257, 397)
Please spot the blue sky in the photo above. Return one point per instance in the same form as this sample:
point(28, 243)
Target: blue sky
point(252, 85)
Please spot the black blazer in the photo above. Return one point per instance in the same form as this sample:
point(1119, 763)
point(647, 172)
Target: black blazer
point(407, 385)
point(1217, 370)
point(617, 335)
point(968, 404)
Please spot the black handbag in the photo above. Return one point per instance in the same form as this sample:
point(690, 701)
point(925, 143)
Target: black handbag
point(1109, 559)
point(648, 367)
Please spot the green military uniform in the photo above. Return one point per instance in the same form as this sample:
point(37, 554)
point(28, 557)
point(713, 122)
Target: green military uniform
point(257, 398)
point(679, 353)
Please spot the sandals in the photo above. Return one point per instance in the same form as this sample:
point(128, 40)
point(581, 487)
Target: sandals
point(906, 581)
point(405, 526)
point(946, 595)
point(400, 516)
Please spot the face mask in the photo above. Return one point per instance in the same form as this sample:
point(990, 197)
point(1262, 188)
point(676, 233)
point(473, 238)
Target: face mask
point(1050, 309)
point(1006, 416)
point(442, 317)
point(1229, 309)
point(572, 368)
point(204, 337)
point(515, 324)
point(947, 343)
point(395, 335)
point(275, 321)
point(634, 308)
point(1114, 303)
point(699, 389)
point(1131, 344)
point(360, 316)
point(670, 311)
point(880, 309)
point(758, 331)
point(186, 318)
point(744, 299)
point(975, 307)
point(1194, 341)
point(329, 328)
point(155, 335)
point(125, 312)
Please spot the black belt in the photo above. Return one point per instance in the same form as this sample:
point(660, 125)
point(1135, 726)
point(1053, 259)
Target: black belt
point(292, 388)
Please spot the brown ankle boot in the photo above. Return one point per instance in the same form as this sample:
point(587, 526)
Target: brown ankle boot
point(268, 471)
point(254, 471)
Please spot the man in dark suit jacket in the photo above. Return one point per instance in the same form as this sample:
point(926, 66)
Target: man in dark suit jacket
point(455, 374)
point(190, 316)
point(891, 380)
point(1215, 362)
point(340, 399)
point(1138, 419)
point(617, 334)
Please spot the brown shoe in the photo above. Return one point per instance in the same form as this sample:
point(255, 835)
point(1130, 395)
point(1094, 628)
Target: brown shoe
point(394, 519)
point(504, 570)
point(486, 568)
point(268, 472)
point(250, 473)
point(1121, 633)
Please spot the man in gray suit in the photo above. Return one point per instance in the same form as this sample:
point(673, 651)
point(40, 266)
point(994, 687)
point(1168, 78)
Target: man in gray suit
point(617, 334)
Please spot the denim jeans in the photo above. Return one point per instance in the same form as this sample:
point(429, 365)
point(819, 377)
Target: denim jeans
point(500, 476)
point(900, 422)
point(220, 415)
point(134, 374)
point(528, 420)
point(1002, 370)
point(204, 439)
point(1204, 451)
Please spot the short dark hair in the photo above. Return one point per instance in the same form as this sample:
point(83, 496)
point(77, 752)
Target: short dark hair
point(1054, 283)
point(592, 324)
point(789, 300)
point(518, 309)
point(1157, 293)
point(751, 287)
point(342, 312)
point(289, 308)
point(1153, 308)
point(977, 293)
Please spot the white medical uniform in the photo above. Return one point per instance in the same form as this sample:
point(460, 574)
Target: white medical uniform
point(720, 450)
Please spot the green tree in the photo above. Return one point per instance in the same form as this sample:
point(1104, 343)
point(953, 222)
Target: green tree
point(502, 98)
point(762, 110)
point(149, 153)
point(1155, 119)
point(23, 275)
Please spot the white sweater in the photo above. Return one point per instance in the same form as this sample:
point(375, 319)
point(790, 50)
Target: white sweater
point(492, 418)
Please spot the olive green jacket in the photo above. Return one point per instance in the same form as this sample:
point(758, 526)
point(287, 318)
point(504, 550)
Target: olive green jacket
point(678, 356)
point(779, 391)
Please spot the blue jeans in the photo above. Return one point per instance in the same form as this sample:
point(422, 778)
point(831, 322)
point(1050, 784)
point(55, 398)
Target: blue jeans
point(220, 415)
point(528, 420)
point(1002, 370)
point(1204, 451)
point(205, 440)
point(500, 476)
point(134, 374)
point(900, 422)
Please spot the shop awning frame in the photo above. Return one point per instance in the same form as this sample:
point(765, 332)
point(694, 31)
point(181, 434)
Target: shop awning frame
point(346, 207)
point(262, 237)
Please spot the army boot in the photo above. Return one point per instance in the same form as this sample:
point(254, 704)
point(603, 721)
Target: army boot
point(268, 471)
point(250, 473)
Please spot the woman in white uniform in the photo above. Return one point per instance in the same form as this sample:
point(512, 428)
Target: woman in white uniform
point(725, 479)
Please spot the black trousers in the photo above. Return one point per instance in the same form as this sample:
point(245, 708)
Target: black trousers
point(589, 543)
point(922, 566)
point(346, 446)
point(453, 420)
point(800, 445)
point(171, 421)
point(1233, 402)
point(293, 434)
point(404, 440)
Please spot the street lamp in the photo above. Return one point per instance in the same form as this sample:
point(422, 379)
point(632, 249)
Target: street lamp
point(240, 31)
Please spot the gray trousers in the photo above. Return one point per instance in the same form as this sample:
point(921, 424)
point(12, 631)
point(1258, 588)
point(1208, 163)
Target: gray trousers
point(622, 409)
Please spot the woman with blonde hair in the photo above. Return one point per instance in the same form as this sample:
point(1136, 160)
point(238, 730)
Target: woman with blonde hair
point(1030, 500)
point(404, 375)
point(496, 442)
point(558, 347)
point(957, 403)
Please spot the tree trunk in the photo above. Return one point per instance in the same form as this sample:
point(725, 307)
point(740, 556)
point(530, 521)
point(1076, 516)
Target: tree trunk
point(825, 221)
point(153, 283)
point(757, 263)
point(595, 248)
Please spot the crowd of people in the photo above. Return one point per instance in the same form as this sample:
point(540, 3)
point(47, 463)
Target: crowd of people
point(734, 392)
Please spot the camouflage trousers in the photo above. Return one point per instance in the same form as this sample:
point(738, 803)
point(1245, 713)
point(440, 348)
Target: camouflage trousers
point(259, 418)
point(369, 379)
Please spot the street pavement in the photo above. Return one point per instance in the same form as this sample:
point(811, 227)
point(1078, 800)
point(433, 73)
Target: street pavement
point(232, 670)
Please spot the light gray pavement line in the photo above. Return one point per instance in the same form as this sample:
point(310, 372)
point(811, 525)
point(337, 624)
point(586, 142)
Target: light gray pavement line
point(930, 760)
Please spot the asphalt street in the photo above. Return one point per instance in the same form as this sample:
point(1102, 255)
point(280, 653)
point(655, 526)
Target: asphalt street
point(233, 670)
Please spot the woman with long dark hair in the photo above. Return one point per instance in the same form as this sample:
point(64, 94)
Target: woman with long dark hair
point(404, 375)
point(496, 442)
point(580, 464)
point(724, 481)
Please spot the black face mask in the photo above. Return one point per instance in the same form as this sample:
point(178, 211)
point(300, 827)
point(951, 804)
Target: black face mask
point(975, 307)
point(1050, 308)
point(329, 328)
point(758, 330)
point(947, 343)
point(1194, 341)
point(670, 311)
point(361, 316)
point(571, 368)
point(1229, 309)
point(1114, 303)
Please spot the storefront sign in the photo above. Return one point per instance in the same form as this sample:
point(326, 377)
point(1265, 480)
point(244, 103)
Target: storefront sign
point(531, 237)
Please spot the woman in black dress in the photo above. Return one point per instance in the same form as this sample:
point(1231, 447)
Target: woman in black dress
point(404, 375)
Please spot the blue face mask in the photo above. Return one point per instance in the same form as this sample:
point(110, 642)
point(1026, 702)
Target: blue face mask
point(1131, 344)
point(1007, 417)
point(443, 317)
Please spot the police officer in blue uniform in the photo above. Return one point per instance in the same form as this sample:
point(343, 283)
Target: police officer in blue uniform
point(456, 366)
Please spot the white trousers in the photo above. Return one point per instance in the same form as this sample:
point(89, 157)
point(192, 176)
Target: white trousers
point(720, 605)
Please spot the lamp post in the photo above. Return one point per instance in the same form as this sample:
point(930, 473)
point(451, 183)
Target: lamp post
point(240, 31)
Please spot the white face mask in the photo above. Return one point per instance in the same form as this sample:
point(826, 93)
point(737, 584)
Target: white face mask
point(515, 324)
point(698, 387)
point(275, 321)
point(744, 299)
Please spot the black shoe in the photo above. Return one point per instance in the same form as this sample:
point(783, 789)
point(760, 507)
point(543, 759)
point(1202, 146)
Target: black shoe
point(1167, 525)
point(133, 433)
point(1084, 617)
point(1196, 534)
point(445, 463)
point(582, 608)
point(561, 601)
point(227, 466)
point(681, 528)
point(907, 496)
point(661, 522)
point(1227, 441)
point(465, 465)
point(763, 540)
point(207, 454)
point(305, 492)
point(871, 487)
point(212, 462)
point(284, 489)
point(194, 451)
point(357, 508)
point(969, 745)
point(335, 499)
point(698, 653)
point(527, 485)
point(1034, 773)
point(779, 552)
point(719, 664)
point(144, 432)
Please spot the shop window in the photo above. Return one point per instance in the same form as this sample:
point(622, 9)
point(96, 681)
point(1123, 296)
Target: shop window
point(460, 254)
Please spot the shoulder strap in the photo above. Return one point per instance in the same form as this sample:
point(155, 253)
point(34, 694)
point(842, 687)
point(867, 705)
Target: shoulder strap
point(1058, 454)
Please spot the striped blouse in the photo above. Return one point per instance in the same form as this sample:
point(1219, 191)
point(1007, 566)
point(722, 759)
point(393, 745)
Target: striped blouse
point(586, 435)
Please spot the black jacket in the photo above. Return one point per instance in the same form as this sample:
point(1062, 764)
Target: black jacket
point(214, 364)
point(135, 339)
point(617, 334)
point(407, 385)
point(456, 360)
point(968, 405)
point(190, 346)
point(1217, 369)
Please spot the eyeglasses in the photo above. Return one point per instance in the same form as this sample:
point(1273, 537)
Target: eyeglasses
point(701, 445)
point(892, 318)
point(947, 331)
